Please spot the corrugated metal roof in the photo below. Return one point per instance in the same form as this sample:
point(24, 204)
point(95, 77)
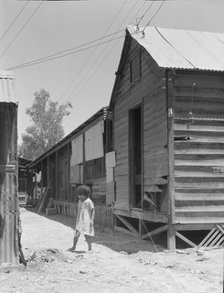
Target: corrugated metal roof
point(172, 48)
point(7, 87)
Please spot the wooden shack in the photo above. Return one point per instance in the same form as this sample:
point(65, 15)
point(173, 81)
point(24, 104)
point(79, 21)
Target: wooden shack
point(79, 158)
point(168, 130)
point(9, 211)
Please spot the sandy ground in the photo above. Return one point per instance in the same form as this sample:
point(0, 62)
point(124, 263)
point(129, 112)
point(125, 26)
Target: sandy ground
point(119, 263)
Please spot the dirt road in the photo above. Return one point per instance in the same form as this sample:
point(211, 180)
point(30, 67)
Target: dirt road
point(119, 263)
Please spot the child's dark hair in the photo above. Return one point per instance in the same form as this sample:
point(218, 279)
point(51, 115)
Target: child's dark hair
point(84, 190)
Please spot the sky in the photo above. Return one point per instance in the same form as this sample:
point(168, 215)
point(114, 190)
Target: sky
point(84, 78)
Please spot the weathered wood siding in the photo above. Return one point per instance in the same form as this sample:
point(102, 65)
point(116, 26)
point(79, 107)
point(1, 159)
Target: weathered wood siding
point(150, 92)
point(199, 161)
point(98, 190)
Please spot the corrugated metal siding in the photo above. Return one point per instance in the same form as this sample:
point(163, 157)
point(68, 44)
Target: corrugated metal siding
point(8, 184)
point(184, 49)
point(7, 87)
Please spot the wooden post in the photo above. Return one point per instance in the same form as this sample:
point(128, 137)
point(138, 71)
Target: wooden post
point(171, 238)
point(170, 125)
point(84, 159)
point(68, 172)
point(41, 182)
point(56, 176)
point(48, 170)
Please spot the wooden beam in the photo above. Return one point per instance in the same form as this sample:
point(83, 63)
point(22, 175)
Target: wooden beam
point(122, 230)
point(84, 159)
point(171, 238)
point(156, 231)
point(68, 172)
point(128, 225)
point(193, 227)
point(185, 239)
point(143, 215)
point(170, 138)
point(57, 177)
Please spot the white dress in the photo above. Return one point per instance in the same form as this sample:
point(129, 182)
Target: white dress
point(83, 221)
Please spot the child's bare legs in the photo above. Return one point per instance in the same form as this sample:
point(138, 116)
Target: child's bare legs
point(89, 241)
point(75, 240)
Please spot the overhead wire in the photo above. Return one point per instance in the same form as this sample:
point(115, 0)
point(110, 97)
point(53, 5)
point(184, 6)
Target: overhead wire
point(97, 68)
point(93, 51)
point(154, 15)
point(60, 53)
point(21, 29)
point(14, 20)
point(99, 56)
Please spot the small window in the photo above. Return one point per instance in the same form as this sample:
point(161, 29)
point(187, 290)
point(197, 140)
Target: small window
point(135, 68)
point(95, 168)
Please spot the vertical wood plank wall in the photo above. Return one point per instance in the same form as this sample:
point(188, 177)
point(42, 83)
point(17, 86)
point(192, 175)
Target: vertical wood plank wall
point(199, 161)
point(150, 91)
point(8, 184)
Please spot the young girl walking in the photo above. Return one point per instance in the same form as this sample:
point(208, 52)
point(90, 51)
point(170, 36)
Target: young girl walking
point(84, 218)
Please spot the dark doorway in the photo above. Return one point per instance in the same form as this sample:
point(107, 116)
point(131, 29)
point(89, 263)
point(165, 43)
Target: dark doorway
point(136, 157)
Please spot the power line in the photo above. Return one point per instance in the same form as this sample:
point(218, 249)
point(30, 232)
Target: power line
point(91, 54)
point(141, 18)
point(54, 56)
point(21, 29)
point(14, 20)
point(102, 52)
point(154, 15)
